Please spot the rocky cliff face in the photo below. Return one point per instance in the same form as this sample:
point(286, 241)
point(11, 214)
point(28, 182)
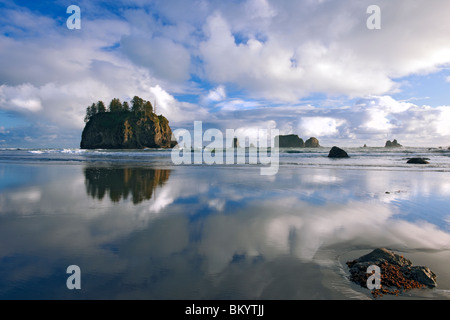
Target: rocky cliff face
point(126, 130)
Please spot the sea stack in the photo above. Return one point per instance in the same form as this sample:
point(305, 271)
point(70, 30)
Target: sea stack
point(236, 143)
point(122, 128)
point(126, 131)
point(312, 143)
point(336, 152)
point(392, 144)
point(289, 141)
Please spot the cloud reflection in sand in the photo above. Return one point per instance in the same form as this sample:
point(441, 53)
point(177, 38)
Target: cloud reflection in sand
point(201, 231)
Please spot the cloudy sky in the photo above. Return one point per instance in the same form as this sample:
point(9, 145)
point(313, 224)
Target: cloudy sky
point(309, 67)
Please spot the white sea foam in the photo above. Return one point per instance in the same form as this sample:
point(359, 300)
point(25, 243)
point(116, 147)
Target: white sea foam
point(360, 158)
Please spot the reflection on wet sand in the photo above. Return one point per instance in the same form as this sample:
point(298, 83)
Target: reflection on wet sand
point(210, 233)
point(121, 182)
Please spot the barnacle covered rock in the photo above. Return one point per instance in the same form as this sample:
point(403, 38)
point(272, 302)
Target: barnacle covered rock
point(396, 272)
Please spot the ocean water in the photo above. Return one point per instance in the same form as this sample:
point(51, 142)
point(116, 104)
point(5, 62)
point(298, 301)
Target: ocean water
point(140, 227)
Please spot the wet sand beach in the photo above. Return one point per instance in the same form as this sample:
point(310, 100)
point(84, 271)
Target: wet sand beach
point(158, 231)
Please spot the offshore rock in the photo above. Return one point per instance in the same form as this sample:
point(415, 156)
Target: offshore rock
point(126, 130)
point(393, 144)
point(236, 143)
point(336, 152)
point(312, 143)
point(289, 141)
point(418, 161)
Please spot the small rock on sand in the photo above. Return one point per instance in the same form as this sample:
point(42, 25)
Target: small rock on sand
point(397, 272)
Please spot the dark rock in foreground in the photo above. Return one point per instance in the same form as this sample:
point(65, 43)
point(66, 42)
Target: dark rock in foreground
point(418, 161)
point(393, 144)
point(290, 141)
point(397, 273)
point(336, 152)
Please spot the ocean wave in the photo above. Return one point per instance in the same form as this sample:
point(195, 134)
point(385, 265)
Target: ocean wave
point(369, 158)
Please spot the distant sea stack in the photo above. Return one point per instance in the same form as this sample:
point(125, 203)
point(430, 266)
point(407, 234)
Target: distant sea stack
point(294, 141)
point(336, 152)
point(392, 144)
point(121, 128)
point(312, 143)
point(236, 143)
point(290, 141)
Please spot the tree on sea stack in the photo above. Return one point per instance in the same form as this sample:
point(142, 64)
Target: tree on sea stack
point(94, 109)
point(148, 108)
point(137, 104)
point(115, 105)
point(101, 107)
point(122, 128)
point(126, 106)
point(90, 112)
